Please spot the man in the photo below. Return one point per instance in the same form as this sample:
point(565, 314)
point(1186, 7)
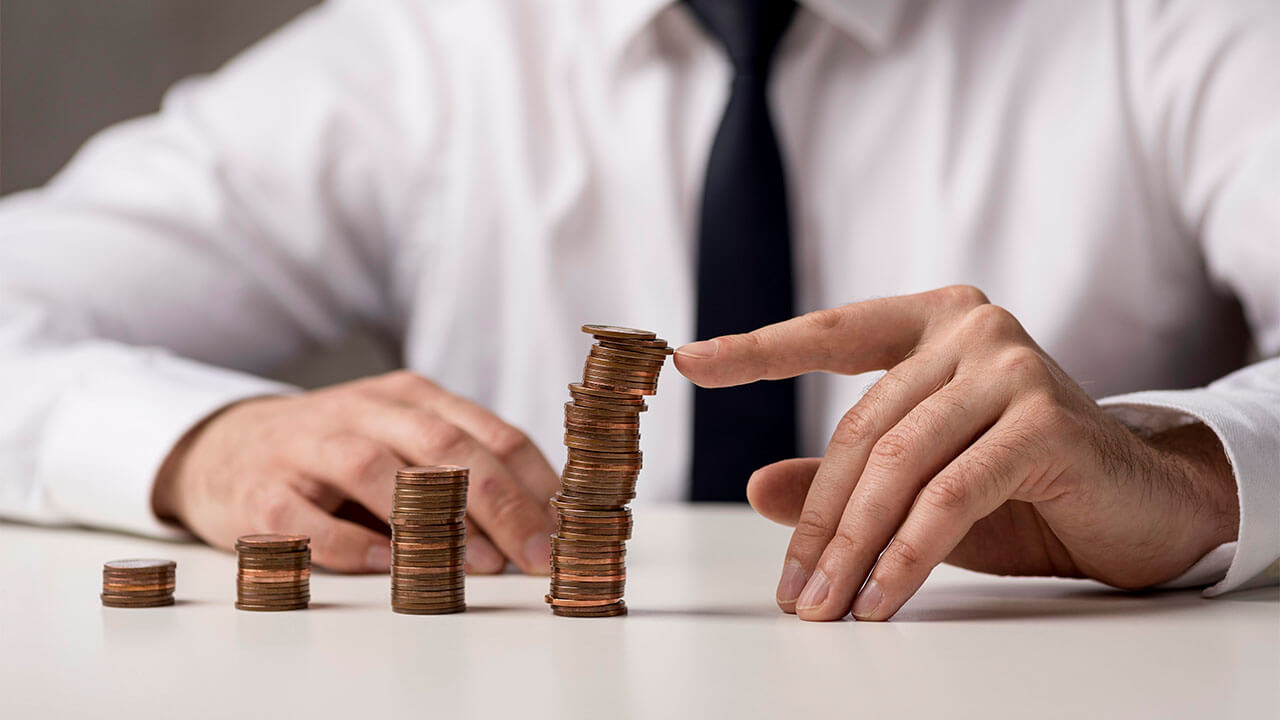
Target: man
point(479, 178)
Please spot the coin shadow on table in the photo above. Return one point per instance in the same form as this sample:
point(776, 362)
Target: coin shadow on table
point(322, 606)
point(726, 612)
point(485, 609)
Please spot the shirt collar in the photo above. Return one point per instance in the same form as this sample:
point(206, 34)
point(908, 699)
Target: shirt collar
point(873, 22)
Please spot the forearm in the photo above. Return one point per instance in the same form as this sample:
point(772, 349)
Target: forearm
point(1243, 412)
point(86, 422)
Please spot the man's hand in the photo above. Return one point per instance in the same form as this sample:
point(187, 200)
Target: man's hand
point(974, 448)
point(285, 464)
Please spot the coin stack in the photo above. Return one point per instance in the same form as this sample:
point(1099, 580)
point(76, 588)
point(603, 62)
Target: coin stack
point(429, 540)
point(602, 434)
point(274, 572)
point(138, 583)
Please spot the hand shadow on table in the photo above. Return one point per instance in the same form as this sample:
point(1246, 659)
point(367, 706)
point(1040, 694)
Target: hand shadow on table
point(1048, 599)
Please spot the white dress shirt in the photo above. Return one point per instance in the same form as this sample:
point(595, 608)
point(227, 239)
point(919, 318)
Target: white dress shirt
point(480, 177)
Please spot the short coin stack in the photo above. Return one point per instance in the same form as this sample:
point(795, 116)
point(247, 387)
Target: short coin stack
point(138, 583)
point(429, 540)
point(274, 572)
point(602, 434)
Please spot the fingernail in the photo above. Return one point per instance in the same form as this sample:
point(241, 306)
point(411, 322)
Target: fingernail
point(483, 557)
point(537, 553)
point(815, 592)
point(792, 582)
point(700, 350)
point(378, 559)
point(868, 600)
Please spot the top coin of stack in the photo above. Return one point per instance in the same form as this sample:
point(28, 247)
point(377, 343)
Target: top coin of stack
point(138, 583)
point(429, 540)
point(274, 572)
point(602, 434)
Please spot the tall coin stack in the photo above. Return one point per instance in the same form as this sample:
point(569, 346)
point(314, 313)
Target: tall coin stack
point(138, 583)
point(602, 434)
point(429, 540)
point(273, 572)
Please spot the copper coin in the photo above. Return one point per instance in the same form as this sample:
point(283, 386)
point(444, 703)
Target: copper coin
point(638, 391)
point(434, 611)
point(605, 405)
point(624, 399)
point(433, 471)
point(659, 351)
point(614, 414)
point(273, 542)
point(613, 611)
point(641, 355)
point(140, 564)
point(117, 603)
point(616, 332)
point(596, 368)
point(579, 603)
point(251, 607)
point(125, 587)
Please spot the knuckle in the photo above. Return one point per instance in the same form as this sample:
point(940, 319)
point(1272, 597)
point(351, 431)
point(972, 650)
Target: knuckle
point(403, 380)
point(439, 437)
point(844, 541)
point(749, 344)
point(870, 511)
point(949, 493)
point(503, 502)
point(1024, 363)
point(505, 441)
point(812, 526)
point(273, 509)
point(825, 320)
point(358, 459)
point(902, 554)
point(401, 376)
point(990, 323)
point(893, 451)
point(963, 297)
point(858, 423)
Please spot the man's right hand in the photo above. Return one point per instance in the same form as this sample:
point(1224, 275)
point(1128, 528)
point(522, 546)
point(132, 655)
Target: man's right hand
point(285, 464)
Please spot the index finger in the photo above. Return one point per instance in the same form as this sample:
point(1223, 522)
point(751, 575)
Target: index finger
point(858, 337)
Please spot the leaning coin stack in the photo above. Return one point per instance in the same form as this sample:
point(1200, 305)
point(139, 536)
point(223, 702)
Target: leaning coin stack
point(429, 540)
point(602, 434)
point(274, 572)
point(138, 583)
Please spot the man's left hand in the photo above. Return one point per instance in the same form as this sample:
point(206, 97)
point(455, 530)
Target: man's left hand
point(974, 448)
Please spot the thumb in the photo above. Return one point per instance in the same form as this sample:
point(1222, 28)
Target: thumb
point(778, 491)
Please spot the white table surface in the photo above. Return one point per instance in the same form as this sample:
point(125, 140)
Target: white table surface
point(703, 639)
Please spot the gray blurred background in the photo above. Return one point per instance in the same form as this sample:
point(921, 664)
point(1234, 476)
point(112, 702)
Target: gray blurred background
point(69, 68)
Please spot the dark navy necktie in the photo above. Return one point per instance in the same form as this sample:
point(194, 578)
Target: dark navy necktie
point(744, 254)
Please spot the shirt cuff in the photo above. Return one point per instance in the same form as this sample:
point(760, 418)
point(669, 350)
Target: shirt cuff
point(1243, 422)
point(107, 436)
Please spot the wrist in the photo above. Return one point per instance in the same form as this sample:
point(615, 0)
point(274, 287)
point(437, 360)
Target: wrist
point(164, 491)
point(170, 491)
point(1196, 461)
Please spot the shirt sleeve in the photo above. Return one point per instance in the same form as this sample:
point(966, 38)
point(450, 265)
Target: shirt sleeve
point(1207, 114)
point(180, 256)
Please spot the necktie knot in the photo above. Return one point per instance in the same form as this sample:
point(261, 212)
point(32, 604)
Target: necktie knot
point(749, 30)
